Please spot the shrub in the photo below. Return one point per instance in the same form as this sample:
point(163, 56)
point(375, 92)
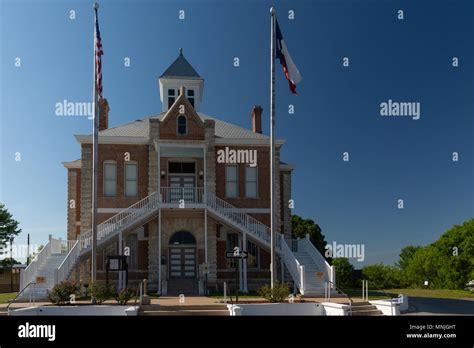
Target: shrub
point(124, 296)
point(61, 293)
point(101, 292)
point(279, 293)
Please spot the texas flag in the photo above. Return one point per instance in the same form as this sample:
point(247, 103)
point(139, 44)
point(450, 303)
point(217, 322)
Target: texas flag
point(291, 71)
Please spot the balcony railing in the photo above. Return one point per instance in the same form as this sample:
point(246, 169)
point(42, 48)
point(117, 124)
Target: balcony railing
point(182, 195)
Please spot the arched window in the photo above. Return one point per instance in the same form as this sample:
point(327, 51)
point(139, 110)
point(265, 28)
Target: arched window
point(182, 237)
point(182, 124)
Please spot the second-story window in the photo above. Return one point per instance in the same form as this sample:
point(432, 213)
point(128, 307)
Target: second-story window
point(110, 179)
point(131, 180)
point(251, 182)
point(182, 124)
point(171, 97)
point(231, 181)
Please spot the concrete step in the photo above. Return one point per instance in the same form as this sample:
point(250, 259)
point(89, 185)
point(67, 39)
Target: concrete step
point(186, 287)
point(220, 313)
point(365, 308)
point(184, 310)
point(367, 313)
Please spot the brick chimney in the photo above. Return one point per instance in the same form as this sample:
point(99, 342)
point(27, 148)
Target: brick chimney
point(103, 114)
point(257, 119)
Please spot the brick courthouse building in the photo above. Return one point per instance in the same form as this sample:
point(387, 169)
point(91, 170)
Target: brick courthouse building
point(205, 207)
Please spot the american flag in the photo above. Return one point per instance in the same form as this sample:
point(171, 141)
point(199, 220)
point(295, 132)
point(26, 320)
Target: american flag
point(98, 58)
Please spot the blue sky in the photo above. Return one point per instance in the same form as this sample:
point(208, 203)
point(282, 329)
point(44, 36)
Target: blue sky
point(337, 108)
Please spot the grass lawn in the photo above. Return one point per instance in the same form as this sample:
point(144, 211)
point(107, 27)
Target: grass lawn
point(7, 296)
point(377, 295)
point(453, 294)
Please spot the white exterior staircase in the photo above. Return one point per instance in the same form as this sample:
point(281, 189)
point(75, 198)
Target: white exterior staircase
point(306, 265)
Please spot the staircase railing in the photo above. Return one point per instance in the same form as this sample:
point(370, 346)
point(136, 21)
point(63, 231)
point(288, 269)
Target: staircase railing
point(294, 267)
point(304, 244)
point(327, 294)
point(121, 220)
point(68, 263)
point(256, 228)
point(27, 274)
point(32, 295)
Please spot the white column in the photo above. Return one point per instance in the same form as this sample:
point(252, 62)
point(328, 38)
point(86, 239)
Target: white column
point(120, 252)
point(244, 262)
point(205, 236)
point(204, 198)
point(159, 173)
point(159, 251)
point(239, 264)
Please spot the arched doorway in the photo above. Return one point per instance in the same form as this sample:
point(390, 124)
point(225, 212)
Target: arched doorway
point(182, 255)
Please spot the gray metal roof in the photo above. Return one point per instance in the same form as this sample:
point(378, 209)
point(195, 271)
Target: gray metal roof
point(140, 128)
point(181, 68)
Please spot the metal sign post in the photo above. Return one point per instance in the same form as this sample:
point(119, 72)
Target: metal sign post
point(239, 255)
point(116, 263)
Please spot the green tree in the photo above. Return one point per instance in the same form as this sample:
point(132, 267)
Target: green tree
point(447, 263)
point(9, 262)
point(381, 276)
point(344, 271)
point(8, 226)
point(455, 255)
point(406, 255)
point(301, 227)
point(423, 267)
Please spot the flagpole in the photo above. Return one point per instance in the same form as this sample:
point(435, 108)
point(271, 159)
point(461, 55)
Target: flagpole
point(272, 150)
point(95, 159)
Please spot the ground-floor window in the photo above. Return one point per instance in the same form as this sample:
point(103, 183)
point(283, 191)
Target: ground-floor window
point(253, 255)
point(232, 242)
point(132, 243)
point(109, 250)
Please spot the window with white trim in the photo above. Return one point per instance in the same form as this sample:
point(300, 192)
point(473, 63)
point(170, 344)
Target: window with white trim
point(110, 179)
point(251, 182)
point(231, 181)
point(232, 242)
point(190, 96)
point(253, 259)
point(171, 97)
point(131, 180)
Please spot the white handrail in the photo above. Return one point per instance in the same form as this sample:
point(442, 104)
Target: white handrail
point(68, 263)
point(188, 195)
point(120, 220)
point(29, 272)
point(294, 267)
point(256, 228)
point(31, 293)
point(306, 245)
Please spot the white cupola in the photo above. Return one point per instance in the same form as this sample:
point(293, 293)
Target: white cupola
point(181, 73)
